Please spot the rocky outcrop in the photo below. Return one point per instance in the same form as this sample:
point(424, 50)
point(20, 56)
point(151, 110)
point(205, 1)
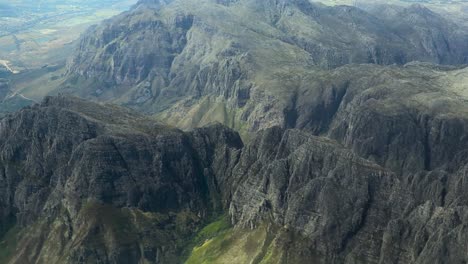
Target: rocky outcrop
point(354, 163)
point(119, 60)
point(346, 209)
point(357, 36)
point(406, 119)
point(86, 174)
point(87, 182)
point(177, 54)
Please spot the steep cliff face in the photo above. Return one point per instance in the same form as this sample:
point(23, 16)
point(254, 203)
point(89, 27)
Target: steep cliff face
point(111, 48)
point(194, 62)
point(407, 119)
point(313, 186)
point(346, 163)
point(95, 183)
point(83, 182)
point(342, 208)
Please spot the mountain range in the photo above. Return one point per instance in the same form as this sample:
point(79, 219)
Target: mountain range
point(242, 131)
point(180, 61)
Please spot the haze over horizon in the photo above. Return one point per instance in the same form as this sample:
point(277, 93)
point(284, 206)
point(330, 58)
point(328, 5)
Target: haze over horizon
point(34, 33)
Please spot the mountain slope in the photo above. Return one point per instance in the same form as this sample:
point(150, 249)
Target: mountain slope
point(240, 62)
point(98, 183)
point(327, 205)
point(83, 182)
point(345, 162)
point(305, 199)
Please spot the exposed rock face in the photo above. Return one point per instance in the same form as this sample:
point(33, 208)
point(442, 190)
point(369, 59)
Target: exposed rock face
point(314, 186)
point(72, 165)
point(193, 57)
point(406, 119)
point(119, 59)
point(348, 209)
point(84, 182)
point(359, 163)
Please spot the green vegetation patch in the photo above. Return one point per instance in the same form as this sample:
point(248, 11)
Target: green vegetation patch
point(219, 243)
point(229, 245)
point(216, 228)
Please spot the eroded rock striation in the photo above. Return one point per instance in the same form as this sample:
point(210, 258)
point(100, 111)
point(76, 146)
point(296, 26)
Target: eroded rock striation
point(69, 167)
point(354, 153)
point(239, 62)
point(346, 209)
point(83, 182)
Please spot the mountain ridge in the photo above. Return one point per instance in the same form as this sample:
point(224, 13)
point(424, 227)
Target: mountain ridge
point(76, 165)
point(203, 63)
point(129, 189)
point(261, 132)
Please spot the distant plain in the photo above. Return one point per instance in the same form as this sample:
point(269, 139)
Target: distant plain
point(36, 33)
